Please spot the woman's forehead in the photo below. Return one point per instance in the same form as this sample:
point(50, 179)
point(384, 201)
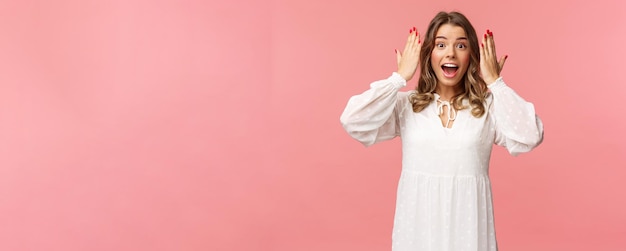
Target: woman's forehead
point(450, 31)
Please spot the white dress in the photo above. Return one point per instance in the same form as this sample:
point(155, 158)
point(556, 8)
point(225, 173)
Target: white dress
point(444, 193)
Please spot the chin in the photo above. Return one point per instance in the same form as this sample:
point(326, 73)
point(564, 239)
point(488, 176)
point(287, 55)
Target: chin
point(449, 82)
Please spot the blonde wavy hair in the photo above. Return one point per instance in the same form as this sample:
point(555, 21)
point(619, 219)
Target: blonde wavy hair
point(473, 86)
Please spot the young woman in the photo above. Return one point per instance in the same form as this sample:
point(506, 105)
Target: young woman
point(448, 125)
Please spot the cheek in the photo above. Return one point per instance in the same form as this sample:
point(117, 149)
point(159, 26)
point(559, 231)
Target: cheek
point(435, 58)
point(465, 59)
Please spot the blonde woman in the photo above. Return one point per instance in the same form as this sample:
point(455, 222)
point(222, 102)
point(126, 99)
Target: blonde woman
point(460, 108)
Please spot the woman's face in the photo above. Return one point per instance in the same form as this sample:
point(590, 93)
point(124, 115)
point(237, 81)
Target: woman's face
point(451, 54)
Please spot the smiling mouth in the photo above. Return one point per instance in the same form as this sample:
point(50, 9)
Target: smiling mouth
point(449, 70)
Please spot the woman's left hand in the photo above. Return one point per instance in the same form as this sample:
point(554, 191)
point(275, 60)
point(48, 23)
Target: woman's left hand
point(490, 66)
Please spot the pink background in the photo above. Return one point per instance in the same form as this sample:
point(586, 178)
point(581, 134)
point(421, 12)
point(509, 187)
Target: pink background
point(194, 125)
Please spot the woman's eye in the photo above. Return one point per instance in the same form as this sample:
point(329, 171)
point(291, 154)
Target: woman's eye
point(440, 45)
point(461, 46)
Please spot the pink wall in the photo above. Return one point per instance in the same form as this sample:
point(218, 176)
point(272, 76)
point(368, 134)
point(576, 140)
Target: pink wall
point(193, 125)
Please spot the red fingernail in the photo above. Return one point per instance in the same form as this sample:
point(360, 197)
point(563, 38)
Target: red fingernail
point(485, 35)
point(506, 56)
point(488, 31)
point(410, 30)
point(482, 45)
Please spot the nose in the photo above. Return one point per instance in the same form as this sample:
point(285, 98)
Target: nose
point(450, 52)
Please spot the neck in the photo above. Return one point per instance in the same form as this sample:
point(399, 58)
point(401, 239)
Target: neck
point(447, 92)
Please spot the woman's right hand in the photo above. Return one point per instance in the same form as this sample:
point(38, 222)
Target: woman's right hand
point(410, 56)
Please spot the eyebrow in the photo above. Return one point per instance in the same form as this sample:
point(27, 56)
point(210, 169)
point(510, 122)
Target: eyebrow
point(442, 37)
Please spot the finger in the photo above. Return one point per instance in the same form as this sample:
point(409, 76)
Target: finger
point(482, 48)
point(419, 44)
point(501, 62)
point(409, 40)
point(418, 49)
point(483, 45)
point(488, 44)
point(418, 38)
point(493, 43)
point(414, 42)
point(398, 57)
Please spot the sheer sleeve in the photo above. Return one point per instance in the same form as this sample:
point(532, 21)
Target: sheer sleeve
point(516, 125)
point(372, 116)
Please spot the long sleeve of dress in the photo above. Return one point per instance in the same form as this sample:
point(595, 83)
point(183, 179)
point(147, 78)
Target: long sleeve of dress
point(372, 116)
point(517, 126)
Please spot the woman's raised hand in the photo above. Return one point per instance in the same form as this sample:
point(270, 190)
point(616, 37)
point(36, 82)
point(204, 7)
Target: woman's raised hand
point(410, 56)
point(490, 66)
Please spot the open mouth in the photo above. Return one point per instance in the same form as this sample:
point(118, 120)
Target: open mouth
point(449, 70)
